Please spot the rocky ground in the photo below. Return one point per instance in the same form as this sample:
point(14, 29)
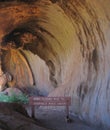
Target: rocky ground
point(15, 117)
point(55, 120)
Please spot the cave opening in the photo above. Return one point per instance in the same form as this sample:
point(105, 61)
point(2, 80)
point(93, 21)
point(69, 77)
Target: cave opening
point(59, 48)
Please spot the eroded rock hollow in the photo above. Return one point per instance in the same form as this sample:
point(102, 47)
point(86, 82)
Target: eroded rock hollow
point(61, 48)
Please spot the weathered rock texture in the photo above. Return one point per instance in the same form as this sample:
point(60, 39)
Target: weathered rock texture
point(62, 48)
point(14, 117)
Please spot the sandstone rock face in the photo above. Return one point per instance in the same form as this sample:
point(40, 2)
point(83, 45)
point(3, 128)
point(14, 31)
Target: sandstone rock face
point(69, 41)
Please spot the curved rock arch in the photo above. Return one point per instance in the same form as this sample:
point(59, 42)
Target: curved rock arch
point(72, 37)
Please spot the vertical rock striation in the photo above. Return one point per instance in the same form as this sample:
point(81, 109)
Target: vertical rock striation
point(71, 39)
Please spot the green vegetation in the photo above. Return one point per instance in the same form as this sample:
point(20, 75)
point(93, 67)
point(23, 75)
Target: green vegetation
point(21, 98)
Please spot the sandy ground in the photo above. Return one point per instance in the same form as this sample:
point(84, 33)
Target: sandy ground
point(55, 120)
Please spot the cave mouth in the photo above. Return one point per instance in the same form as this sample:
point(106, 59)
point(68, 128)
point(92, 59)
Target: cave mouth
point(19, 41)
point(60, 47)
point(29, 36)
point(15, 46)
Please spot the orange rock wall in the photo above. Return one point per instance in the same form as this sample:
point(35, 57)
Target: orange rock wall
point(68, 54)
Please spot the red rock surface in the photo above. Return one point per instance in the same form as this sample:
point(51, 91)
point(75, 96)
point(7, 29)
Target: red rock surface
point(67, 53)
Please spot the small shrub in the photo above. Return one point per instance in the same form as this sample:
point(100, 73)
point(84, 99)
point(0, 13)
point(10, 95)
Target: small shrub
point(21, 98)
